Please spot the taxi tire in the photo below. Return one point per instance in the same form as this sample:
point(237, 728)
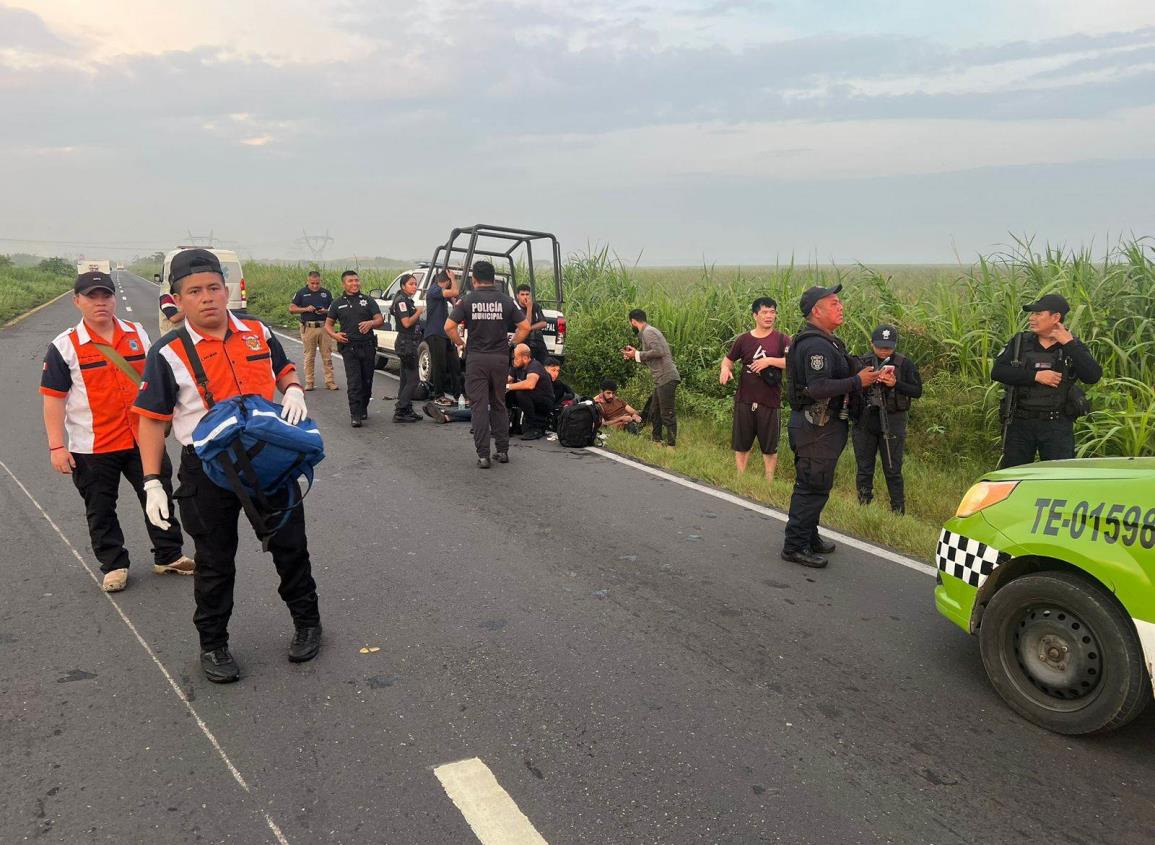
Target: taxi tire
point(1125, 685)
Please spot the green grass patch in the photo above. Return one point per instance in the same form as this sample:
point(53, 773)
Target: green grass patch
point(23, 288)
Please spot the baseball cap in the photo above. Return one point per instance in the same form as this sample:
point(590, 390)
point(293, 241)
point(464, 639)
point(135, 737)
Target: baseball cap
point(810, 297)
point(192, 261)
point(884, 337)
point(86, 282)
point(1051, 302)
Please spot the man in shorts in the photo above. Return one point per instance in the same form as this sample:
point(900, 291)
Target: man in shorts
point(762, 353)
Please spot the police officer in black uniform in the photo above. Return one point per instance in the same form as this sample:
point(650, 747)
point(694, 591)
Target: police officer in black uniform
point(899, 382)
point(358, 315)
point(489, 315)
point(821, 379)
point(407, 321)
point(1039, 368)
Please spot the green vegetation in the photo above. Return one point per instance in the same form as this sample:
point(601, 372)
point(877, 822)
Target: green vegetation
point(271, 287)
point(23, 288)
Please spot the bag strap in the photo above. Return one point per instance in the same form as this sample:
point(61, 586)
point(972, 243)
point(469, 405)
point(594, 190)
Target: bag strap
point(202, 380)
point(116, 359)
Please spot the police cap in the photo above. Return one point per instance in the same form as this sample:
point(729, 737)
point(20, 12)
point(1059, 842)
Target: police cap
point(810, 297)
point(192, 261)
point(87, 282)
point(1051, 302)
point(884, 337)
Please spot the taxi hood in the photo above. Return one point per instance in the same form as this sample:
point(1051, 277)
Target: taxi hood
point(1079, 468)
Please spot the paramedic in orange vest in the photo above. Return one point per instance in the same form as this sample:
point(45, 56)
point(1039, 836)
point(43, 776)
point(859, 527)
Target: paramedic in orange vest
point(239, 356)
point(89, 383)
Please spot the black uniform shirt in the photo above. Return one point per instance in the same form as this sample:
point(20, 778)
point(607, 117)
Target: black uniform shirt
point(820, 363)
point(403, 307)
point(320, 299)
point(489, 315)
point(348, 311)
point(543, 390)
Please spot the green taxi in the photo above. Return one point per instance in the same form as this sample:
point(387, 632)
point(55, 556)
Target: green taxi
point(1052, 565)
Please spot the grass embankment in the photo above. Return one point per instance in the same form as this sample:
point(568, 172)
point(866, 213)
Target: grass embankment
point(23, 288)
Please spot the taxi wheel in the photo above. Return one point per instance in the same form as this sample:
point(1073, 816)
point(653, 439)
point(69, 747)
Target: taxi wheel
point(1063, 654)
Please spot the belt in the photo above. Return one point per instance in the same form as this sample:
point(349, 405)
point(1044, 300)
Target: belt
point(312, 324)
point(1038, 415)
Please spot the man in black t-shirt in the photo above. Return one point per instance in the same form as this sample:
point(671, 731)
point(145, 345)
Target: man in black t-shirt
point(407, 319)
point(311, 304)
point(537, 322)
point(531, 390)
point(358, 316)
point(489, 315)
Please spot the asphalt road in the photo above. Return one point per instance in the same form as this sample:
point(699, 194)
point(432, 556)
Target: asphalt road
point(628, 658)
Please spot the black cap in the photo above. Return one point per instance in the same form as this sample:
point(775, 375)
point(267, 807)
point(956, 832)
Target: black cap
point(884, 337)
point(1051, 302)
point(193, 261)
point(810, 297)
point(91, 281)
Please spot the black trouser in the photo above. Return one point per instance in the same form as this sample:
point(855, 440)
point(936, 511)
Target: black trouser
point(485, 386)
point(661, 407)
point(97, 477)
point(444, 366)
point(1053, 440)
point(408, 370)
point(816, 452)
point(360, 359)
point(534, 409)
point(210, 515)
point(868, 445)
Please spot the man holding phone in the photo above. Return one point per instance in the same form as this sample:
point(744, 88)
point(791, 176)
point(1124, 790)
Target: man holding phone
point(898, 383)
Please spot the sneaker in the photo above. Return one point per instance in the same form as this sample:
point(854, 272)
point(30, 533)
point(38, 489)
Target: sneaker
point(364, 415)
point(533, 434)
point(445, 402)
point(183, 565)
point(114, 581)
point(483, 463)
point(219, 666)
point(502, 457)
point(355, 422)
point(305, 645)
point(406, 418)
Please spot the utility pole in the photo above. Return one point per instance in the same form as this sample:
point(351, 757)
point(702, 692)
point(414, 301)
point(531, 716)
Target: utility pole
point(200, 240)
point(316, 244)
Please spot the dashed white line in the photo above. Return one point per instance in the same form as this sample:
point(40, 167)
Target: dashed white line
point(488, 809)
point(272, 825)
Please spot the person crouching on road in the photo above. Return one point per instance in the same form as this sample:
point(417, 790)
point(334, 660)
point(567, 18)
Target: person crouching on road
point(654, 351)
point(311, 303)
point(239, 356)
point(615, 412)
point(762, 351)
point(898, 383)
point(89, 382)
point(821, 379)
point(408, 320)
point(489, 315)
point(531, 391)
point(358, 316)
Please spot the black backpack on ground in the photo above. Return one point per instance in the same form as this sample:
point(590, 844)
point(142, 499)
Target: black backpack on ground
point(578, 424)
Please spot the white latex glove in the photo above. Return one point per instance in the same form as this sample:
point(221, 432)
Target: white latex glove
point(156, 503)
point(293, 408)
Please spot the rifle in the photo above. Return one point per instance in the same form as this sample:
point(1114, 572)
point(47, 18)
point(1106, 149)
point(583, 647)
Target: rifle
point(878, 399)
point(1010, 399)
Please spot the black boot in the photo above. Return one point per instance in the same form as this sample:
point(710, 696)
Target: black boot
point(805, 558)
point(219, 666)
point(305, 645)
point(822, 547)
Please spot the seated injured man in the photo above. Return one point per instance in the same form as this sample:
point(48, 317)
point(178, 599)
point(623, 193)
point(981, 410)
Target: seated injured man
point(615, 412)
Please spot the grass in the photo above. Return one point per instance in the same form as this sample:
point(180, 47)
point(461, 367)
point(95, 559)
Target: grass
point(23, 288)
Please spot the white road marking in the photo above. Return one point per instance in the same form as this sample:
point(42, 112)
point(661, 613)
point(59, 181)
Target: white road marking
point(276, 831)
point(488, 809)
point(853, 542)
point(128, 308)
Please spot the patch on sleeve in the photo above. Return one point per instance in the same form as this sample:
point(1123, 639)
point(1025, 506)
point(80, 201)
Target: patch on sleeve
point(818, 363)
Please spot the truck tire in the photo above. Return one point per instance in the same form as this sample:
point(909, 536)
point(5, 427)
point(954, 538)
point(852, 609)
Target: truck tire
point(424, 365)
point(1063, 654)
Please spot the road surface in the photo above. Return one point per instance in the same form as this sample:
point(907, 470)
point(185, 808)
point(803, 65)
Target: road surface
point(626, 660)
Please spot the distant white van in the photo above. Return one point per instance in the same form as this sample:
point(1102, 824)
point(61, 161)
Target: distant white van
point(93, 265)
point(234, 278)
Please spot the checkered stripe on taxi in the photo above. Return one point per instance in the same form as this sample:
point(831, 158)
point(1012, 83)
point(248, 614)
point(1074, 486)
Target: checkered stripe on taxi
point(966, 559)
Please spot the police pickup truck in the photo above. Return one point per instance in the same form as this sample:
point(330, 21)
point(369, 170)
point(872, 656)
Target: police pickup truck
point(1052, 564)
point(512, 253)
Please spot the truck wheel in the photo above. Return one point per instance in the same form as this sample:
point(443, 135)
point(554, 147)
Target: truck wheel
point(424, 365)
point(1063, 654)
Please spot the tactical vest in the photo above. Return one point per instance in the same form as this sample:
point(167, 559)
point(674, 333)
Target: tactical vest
point(1040, 397)
point(896, 403)
point(796, 395)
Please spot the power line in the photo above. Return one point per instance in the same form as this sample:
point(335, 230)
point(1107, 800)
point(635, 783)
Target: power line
point(316, 244)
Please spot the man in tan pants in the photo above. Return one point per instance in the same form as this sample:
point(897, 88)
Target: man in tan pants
point(311, 304)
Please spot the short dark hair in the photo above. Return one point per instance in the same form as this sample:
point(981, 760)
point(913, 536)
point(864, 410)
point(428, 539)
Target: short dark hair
point(552, 362)
point(639, 315)
point(314, 274)
point(524, 287)
point(763, 302)
point(609, 384)
point(405, 279)
point(483, 271)
point(441, 278)
point(349, 273)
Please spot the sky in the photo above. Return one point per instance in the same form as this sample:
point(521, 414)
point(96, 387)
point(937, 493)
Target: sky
point(674, 132)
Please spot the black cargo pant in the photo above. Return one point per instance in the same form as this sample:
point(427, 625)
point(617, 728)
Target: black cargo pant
point(444, 366)
point(360, 359)
point(485, 382)
point(408, 373)
point(534, 410)
point(816, 452)
point(97, 477)
point(210, 515)
point(868, 445)
point(1053, 440)
point(663, 413)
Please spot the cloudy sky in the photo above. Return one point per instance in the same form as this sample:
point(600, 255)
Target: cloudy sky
point(731, 131)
